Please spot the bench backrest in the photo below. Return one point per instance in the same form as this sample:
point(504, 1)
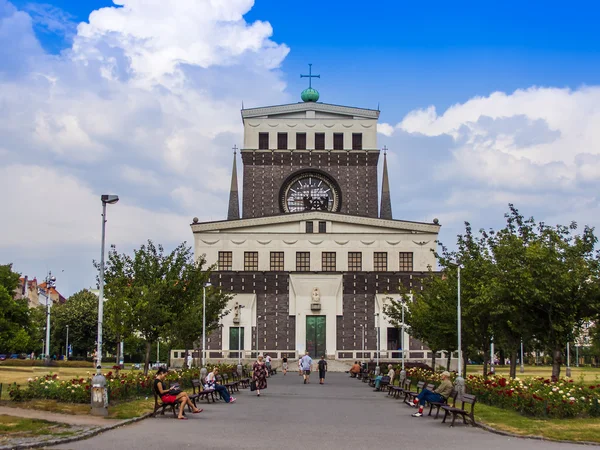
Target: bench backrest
point(429, 387)
point(420, 386)
point(469, 399)
point(197, 384)
point(407, 383)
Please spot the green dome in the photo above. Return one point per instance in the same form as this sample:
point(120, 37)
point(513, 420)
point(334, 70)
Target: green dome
point(310, 95)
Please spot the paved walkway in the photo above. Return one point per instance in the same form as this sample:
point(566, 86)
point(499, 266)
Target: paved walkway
point(70, 419)
point(340, 414)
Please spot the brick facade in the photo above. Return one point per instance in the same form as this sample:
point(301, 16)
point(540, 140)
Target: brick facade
point(265, 172)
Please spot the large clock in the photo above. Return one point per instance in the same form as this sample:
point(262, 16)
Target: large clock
point(310, 190)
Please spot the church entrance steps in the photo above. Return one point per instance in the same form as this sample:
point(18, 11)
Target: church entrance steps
point(334, 365)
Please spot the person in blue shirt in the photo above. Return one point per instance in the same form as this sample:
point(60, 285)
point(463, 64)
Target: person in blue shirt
point(306, 364)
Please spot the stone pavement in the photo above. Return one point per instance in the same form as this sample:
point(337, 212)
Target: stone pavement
point(342, 413)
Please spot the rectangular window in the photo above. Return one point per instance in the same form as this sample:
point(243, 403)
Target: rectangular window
point(225, 259)
point(263, 141)
point(319, 141)
point(309, 227)
point(406, 261)
point(356, 141)
point(338, 141)
point(303, 261)
point(276, 261)
point(282, 141)
point(250, 261)
point(300, 141)
point(380, 261)
point(328, 261)
point(236, 340)
point(354, 261)
point(322, 227)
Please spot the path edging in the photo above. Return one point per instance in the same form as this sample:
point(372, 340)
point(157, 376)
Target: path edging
point(537, 438)
point(79, 437)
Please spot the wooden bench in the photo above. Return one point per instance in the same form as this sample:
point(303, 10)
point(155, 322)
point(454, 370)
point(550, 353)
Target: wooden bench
point(207, 394)
point(467, 399)
point(232, 386)
point(160, 405)
point(367, 377)
point(397, 391)
point(385, 380)
point(243, 380)
point(438, 405)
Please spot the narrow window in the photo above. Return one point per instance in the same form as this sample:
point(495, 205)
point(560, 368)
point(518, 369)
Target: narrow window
point(338, 141)
point(380, 261)
point(406, 261)
point(322, 227)
point(328, 261)
point(309, 227)
point(356, 141)
point(236, 338)
point(276, 261)
point(225, 259)
point(251, 261)
point(282, 141)
point(263, 141)
point(319, 141)
point(303, 261)
point(300, 141)
point(354, 261)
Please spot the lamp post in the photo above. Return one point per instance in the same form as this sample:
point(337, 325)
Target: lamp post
point(522, 361)
point(239, 367)
point(50, 283)
point(67, 344)
point(362, 327)
point(377, 368)
point(459, 382)
point(99, 391)
point(203, 370)
point(402, 372)
point(43, 346)
point(568, 360)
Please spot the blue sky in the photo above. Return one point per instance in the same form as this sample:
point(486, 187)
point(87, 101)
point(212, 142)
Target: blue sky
point(482, 104)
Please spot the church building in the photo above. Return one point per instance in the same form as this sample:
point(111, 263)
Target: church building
point(314, 253)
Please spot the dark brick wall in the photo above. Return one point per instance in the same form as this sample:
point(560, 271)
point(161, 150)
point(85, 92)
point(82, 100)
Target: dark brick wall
point(265, 172)
point(277, 329)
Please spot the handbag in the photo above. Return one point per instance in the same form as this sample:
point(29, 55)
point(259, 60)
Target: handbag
point(176, 390)
point(253, 385)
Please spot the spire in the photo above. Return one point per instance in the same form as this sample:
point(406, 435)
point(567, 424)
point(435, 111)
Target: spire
point(234, 203)
point(385, 211)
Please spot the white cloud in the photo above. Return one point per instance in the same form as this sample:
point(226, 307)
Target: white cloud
point(145, 104)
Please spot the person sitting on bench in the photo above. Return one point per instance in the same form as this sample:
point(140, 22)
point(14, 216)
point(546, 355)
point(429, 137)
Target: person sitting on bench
point(391, 373)
point(439, 395)
point(355, 370)
point(170, 395)
point(211, 383)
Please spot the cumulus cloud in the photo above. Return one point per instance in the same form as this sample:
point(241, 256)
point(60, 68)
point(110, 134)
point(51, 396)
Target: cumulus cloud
point(145, 104)
point(537, 148)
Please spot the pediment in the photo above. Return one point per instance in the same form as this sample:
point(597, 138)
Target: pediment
point(321, 110)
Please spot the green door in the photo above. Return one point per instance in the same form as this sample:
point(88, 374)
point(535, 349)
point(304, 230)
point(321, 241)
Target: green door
point(315, 336)
point(236, 340)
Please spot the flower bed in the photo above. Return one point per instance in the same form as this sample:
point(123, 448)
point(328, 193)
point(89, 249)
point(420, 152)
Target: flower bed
point(535, 397)
point(122, 385)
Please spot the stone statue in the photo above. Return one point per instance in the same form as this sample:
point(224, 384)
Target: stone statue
point(236, 311)
point(316, 295)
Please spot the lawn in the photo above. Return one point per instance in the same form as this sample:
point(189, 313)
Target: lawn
point(17, 427)
point(555, 429)
point(586, 374)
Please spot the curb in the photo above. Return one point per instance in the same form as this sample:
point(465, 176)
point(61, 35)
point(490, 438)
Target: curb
point(79, 437)
point(536, 438)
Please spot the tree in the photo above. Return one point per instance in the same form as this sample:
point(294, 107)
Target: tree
point(80, 313)
point(158, 295)
point(14, 314)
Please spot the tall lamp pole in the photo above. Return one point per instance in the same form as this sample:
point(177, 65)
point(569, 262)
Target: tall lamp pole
point(459, 382)
point(568, 360)
point(99, 392)
point(377, 369)
point(50, 283)
point(203, 369)
point(239, 367)
point(522, 361)
point(67, 344)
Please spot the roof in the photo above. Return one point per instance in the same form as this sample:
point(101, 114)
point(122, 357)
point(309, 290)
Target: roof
point(53, 291)
point(310, 106)
point(421, 227)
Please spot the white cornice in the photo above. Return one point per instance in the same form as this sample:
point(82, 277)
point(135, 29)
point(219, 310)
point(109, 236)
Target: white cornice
point(401, 225)
point(310, 106)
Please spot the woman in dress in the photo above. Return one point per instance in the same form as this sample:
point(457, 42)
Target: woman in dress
point(260, 374)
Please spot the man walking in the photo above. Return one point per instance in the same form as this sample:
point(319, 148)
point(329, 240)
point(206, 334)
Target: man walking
point(306, 364)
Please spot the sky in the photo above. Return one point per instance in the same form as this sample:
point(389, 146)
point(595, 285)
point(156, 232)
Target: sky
point(482, 104)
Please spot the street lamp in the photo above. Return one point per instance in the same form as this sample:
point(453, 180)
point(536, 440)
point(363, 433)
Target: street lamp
point(522, 361)
point(568, 360)
point(204, 328)
point(239, 367)
point(99, 394)
point(362, 327)
point(377, 369)
point(50, 283)
point(67, 344)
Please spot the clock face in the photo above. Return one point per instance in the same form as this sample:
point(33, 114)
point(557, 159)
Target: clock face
point(310, 191)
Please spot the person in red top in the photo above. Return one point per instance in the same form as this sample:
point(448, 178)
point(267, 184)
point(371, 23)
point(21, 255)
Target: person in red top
point(167, 395)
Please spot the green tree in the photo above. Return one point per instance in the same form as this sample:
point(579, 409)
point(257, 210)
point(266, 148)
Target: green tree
point(80, 313)
point(14, 314)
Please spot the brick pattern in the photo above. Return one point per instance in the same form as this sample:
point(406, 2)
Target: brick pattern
point(277, 329)
point(265, 172)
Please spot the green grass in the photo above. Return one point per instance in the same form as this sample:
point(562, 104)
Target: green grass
point(585, 374)
point(554, 429)
point(17, 427)
point(130, 409)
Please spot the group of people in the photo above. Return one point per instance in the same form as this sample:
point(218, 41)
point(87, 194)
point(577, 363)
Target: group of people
point(305, 365)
